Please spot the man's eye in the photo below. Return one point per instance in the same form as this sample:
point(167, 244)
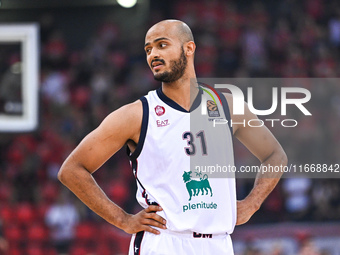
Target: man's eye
point(163, 45)
point(147, 50)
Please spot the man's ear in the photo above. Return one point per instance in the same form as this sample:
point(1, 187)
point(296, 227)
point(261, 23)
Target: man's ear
point(189, 48)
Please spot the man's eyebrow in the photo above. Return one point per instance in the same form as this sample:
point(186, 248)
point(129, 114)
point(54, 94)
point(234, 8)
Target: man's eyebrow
point(156, 40)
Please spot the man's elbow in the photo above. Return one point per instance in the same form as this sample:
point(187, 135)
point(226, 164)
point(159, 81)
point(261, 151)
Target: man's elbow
point(71, 171)
point(62, 174)
point(65, 173)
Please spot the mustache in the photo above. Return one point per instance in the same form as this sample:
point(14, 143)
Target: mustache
point(158, 60)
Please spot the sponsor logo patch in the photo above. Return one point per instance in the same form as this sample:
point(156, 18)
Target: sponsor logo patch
point(160, 110)
point(162, 123)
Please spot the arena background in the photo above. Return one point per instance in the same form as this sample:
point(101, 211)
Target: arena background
point(92, 62)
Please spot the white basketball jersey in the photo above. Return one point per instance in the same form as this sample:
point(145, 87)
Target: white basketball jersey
point(174, 159)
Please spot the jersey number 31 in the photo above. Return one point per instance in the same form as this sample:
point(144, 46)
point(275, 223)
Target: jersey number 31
point(190, 149)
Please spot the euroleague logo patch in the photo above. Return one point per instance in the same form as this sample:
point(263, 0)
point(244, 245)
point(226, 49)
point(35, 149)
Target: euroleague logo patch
point(212, 109)
point(160, 110)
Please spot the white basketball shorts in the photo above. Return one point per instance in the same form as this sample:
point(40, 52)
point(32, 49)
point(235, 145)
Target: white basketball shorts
point(171, 243)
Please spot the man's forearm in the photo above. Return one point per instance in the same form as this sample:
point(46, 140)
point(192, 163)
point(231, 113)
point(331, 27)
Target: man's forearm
point(83, 185)
point(267, 178)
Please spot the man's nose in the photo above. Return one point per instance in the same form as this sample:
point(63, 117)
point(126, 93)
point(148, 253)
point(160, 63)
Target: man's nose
point(154, 54)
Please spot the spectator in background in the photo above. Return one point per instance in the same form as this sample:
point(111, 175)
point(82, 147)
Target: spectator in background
point(308, 248)
point(297, 196)
point(252, 251)
point(277, 250)
point(334, 29)
point(3, 242)
point(325, 252)
point(54, 88)
point(62, 218)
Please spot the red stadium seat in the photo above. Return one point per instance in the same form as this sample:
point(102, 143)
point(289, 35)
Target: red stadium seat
point(50, 251)
point(35, 250)
point(104, 233)
point(124, 243)
point(86, 238)
point(49, 192)
point(14, 233)
point(15, 251)
point(41, 210)
point(37, 233)
point(25, 213)
point(118, 191)
point(103, 249)
point(7, 214)
point(115, 238)
point(15, 154)
point(5, 192)
point(79, 250)
point(86, 232)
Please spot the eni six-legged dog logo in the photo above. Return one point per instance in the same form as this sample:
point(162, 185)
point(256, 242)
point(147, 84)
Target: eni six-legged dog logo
point(194, 187)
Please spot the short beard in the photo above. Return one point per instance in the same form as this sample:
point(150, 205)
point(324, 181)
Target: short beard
point(177, 70)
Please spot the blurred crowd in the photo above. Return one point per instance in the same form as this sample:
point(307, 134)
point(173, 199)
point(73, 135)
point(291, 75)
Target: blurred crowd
point(79, 87)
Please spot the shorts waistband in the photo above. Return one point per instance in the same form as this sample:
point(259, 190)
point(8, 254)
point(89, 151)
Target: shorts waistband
point(194, 235)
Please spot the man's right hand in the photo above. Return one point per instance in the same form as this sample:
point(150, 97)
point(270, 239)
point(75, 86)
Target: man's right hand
point(144, 220)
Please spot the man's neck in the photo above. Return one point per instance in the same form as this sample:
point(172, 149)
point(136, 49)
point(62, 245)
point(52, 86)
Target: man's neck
point(182, 91)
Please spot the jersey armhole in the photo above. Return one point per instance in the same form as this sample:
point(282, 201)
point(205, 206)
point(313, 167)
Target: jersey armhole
point(145, 120)
point(226, 110)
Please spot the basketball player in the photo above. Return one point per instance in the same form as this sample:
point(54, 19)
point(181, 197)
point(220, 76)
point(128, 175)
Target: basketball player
point(186, 210)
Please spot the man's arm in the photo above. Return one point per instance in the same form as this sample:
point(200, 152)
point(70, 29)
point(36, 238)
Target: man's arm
point(94, 150)
point(262, 144)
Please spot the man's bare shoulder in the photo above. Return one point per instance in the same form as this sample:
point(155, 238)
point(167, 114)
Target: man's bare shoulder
point(238, 118)
point(125, 121)
point(229, 98)
point(128, 112)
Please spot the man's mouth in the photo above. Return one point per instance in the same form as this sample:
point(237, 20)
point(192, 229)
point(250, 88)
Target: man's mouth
point(156, 65)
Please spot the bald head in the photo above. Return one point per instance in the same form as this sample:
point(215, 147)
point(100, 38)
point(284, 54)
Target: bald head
point(176, 27)
point(170, 48)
